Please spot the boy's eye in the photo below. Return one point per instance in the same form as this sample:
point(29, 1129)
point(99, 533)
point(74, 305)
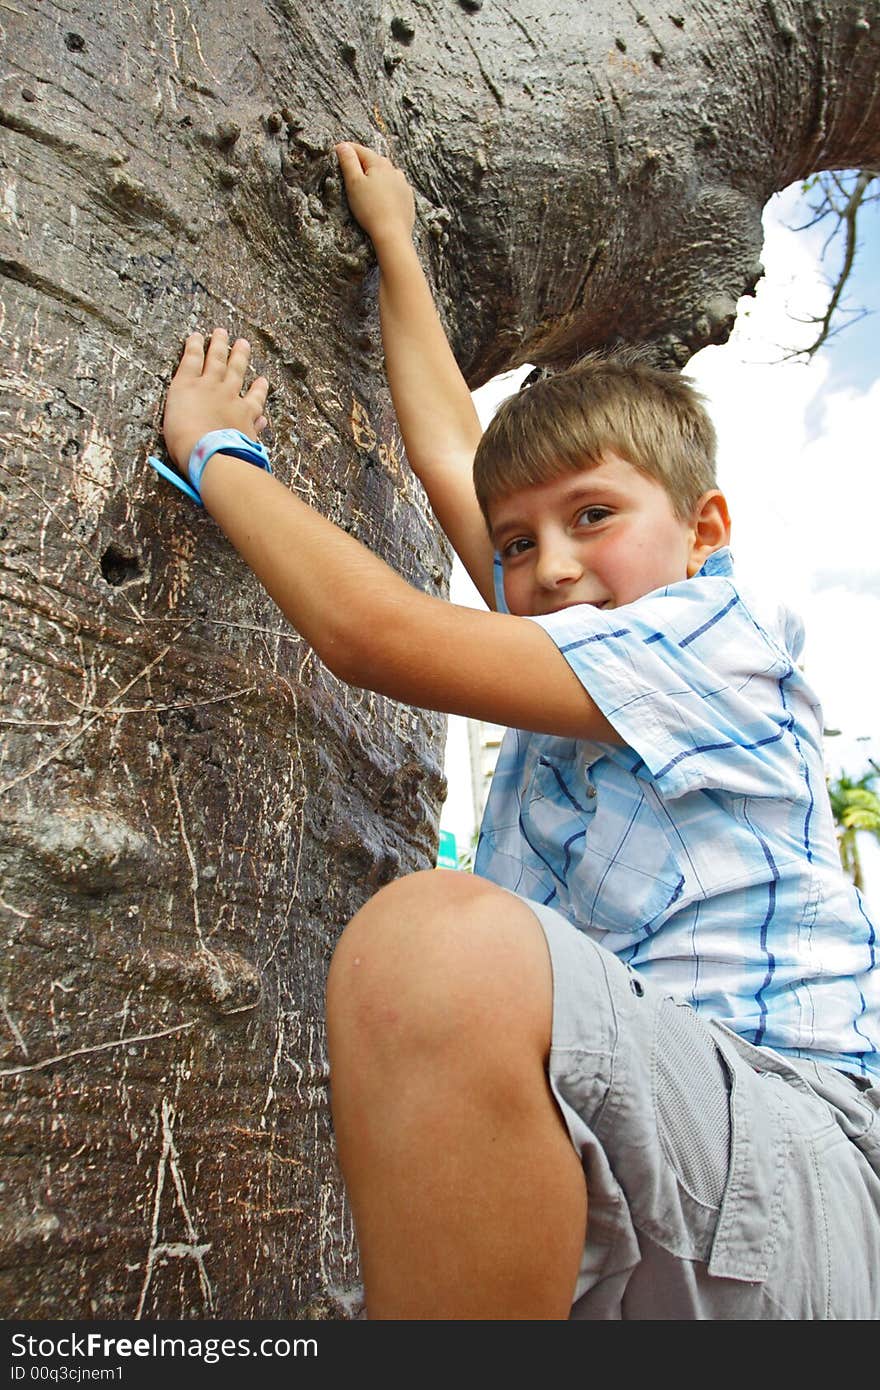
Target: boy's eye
point(591, 516)
point(516, 547)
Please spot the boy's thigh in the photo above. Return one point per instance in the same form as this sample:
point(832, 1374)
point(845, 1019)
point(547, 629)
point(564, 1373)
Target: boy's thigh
point(722, 1181)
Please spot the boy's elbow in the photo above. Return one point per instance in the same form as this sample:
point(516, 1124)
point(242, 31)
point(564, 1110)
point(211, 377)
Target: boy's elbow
point(341, 663)
point(347, 655)
point(367, 651)
point(337, 651)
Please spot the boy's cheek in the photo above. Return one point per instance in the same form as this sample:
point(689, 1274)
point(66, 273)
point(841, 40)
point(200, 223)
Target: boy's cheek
point(518, 599)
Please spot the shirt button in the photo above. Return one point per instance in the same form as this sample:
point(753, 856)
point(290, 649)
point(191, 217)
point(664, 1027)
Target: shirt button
point(591, 790)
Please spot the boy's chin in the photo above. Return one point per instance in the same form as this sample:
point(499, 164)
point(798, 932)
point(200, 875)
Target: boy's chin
point(572, 603)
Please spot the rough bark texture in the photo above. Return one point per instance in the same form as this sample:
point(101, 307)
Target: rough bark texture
point(193, 807)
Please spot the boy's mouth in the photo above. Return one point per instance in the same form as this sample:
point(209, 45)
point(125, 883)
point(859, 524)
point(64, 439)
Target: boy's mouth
point(581, 603)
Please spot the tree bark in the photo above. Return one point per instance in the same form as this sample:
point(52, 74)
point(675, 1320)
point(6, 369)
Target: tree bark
point(192, 806)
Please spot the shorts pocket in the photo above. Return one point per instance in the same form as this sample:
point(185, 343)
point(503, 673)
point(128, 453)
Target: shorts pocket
point(747, 1231)
point(692, 1103)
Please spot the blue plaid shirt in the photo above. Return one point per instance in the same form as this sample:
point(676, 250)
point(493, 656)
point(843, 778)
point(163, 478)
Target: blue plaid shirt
point(703, 850)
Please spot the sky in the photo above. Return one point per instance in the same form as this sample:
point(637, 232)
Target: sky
point(797, 459)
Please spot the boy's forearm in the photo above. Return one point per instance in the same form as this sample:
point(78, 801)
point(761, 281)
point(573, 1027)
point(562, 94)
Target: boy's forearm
point(430, 395)
point(440, 427)
point(375, 631)
point(323, 580)
point(437, 417)
point(369, 627)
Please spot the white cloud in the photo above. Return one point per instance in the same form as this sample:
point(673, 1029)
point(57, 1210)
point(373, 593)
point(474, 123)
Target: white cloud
point(488, 398)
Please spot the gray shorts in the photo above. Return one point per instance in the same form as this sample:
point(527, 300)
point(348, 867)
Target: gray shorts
point(723, 1180)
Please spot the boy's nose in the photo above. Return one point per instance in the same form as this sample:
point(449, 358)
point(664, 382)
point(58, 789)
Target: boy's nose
point(558, 566)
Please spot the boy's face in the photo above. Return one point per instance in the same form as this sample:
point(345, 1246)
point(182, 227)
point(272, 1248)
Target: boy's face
point(605, 535)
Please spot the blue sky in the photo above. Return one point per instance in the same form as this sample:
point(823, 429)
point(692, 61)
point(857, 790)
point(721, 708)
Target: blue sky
point(854, 353)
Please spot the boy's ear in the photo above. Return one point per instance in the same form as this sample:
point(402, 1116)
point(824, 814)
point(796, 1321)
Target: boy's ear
point(710, 529)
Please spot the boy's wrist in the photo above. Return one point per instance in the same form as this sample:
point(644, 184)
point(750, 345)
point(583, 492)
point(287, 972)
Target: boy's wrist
point(224, 441)
point(188, 477)
point(392, 242)
point(181, 442)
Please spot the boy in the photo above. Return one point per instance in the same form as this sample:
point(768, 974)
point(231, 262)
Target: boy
point(530, 1127)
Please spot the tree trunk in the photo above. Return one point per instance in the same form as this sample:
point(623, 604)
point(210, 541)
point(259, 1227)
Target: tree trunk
point(192, 806)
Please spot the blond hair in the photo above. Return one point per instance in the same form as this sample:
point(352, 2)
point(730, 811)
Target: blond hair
point(653, 419)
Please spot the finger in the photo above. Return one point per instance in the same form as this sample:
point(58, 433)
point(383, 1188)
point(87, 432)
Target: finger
point(192, 358)
point(260, 424)
point(256, 394)
point(218, 351)
point(349, 161)
point(238, 361)
point(368, 158)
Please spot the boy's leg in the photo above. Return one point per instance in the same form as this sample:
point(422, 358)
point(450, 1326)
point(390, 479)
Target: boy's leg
point(468, 1197)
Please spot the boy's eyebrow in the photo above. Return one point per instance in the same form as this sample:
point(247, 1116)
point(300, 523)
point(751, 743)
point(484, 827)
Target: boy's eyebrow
point(588, 487)
point(583, 488)
point(508, 523)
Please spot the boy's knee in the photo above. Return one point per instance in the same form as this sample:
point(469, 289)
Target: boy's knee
point(411, 915)
point(440, 959)
point(393, 956)
point(418, 901)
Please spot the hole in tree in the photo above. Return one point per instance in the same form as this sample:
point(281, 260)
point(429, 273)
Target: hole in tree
point(118, 567)
point(75, 42)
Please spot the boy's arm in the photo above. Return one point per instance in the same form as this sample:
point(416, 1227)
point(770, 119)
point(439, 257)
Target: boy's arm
point(437, 419)
point(366, 623)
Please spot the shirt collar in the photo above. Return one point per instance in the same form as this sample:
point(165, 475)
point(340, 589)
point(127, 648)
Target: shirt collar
point(720, 562)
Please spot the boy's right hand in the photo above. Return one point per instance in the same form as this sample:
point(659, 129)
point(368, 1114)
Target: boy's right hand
point(206, 394)
point(378, 194)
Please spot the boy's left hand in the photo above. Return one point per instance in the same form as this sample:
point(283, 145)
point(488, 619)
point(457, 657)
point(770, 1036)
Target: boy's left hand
point(205, 394)
point(378, 195)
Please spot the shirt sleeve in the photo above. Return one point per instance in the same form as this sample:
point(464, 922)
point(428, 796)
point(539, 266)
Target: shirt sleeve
point(693, 684)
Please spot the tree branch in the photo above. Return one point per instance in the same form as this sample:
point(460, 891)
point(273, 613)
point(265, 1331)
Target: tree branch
point(863, 187)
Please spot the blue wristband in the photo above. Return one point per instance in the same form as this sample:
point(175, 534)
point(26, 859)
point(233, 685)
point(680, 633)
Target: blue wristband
point(233, 442)
point(225, 442)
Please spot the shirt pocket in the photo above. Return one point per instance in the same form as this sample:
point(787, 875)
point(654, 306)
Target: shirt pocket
point(558, 807)
point(600, 831)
